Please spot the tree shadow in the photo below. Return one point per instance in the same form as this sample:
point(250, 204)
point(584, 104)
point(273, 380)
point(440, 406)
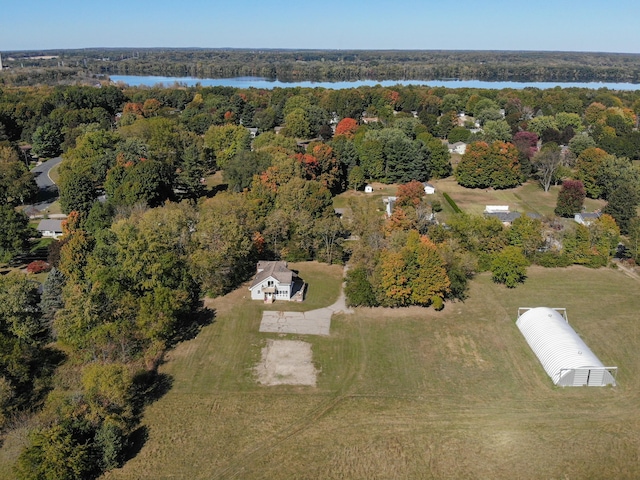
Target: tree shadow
point(149, 387)
point(194, 323)
point(135, 442)
point(217, 189)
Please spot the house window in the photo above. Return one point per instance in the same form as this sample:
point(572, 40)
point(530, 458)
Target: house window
point(270, 283)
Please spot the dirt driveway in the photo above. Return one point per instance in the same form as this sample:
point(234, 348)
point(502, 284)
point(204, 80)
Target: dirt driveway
point(313, 322)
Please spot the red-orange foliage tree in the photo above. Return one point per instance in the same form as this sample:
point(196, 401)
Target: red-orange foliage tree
point(347, 127)
point(410, 193)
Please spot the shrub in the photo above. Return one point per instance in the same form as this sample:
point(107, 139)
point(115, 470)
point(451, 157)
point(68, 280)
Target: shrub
point(38, 266)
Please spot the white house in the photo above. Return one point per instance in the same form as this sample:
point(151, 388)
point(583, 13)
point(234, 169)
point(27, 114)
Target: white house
point(368, 189)
point(274, 281)
point(458, 147)
point(429, 189)
point(50, 228)
point(585, 218)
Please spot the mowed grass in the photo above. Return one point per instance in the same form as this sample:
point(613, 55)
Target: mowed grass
point(527, 198)
point(406, 393)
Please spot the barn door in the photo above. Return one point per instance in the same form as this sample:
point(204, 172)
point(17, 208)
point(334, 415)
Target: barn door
point(596, 378)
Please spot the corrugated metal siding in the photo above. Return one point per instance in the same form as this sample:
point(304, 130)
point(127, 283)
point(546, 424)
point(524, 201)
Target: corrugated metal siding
point(559, 347)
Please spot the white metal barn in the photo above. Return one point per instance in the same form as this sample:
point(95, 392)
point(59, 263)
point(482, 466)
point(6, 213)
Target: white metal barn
point(563, 354)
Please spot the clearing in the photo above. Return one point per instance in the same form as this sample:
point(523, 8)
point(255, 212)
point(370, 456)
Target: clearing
point(286, 362)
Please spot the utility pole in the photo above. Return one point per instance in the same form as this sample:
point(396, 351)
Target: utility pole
point(0, 62)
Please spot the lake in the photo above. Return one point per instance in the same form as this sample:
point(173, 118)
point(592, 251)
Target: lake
point(265, 83)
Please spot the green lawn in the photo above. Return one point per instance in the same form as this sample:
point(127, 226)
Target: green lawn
point(527, 198)
point(405, 393)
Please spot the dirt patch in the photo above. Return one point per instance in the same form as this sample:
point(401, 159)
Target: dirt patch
point(286, 362)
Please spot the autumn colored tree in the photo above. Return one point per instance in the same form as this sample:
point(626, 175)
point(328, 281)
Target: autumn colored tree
point(604, 235)
point(413, 275)
point(410, 194)
point(494, 165)
point(570, 199)
point(346, 127)
point(588, 167)
point(527, 145)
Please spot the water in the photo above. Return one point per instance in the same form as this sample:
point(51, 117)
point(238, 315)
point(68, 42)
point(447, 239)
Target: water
point(264, 83)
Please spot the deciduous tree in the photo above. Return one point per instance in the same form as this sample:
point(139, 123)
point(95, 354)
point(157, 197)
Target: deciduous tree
point(570, 199)
point(509, 267)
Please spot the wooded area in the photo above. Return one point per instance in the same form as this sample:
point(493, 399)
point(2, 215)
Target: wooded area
point(148, 233)
point(324, 65)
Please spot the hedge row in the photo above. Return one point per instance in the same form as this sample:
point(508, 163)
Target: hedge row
point(450, 201)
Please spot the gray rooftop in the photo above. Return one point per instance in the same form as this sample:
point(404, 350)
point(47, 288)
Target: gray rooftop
point(277, 270)
point(50, 225)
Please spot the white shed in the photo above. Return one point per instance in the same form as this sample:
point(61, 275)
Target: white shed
point(563, 354)
point(368, 189)
point(429, 189)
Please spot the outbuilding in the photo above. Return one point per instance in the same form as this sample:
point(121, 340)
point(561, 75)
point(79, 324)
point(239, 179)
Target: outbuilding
point(563, 354)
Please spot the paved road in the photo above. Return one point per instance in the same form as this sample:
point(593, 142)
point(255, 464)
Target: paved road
point(48, 190)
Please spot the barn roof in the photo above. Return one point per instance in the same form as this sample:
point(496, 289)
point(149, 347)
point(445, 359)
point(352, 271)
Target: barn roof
point(555, 342)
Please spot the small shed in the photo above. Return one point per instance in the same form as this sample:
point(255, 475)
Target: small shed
point(563, 354)
point(368, 189)
point(429, 189)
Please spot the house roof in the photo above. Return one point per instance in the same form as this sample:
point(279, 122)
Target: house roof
point(506, 217)
point(49, 225)
point(277, 270)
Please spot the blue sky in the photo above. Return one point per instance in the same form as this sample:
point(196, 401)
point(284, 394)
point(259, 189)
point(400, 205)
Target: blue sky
point(569, 25)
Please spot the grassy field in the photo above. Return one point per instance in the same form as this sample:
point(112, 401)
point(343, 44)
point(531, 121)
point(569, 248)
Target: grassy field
point(405, 393)
point(528, 198)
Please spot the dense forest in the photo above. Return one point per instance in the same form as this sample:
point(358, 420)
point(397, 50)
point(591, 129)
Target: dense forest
point(323, 65)
point(149, 233)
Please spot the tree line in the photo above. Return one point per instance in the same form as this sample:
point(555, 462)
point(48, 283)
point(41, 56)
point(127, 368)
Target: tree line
point(147, 236)
point(332, 65)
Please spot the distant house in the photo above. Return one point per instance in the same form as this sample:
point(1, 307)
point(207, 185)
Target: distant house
point(429, 189)
point(274, 281)
point(368, 189)
point(506, 218)
point(458, 147)
point(277, 130)
point(586, 218)
point(50, 228)
point(252, 131)
point(502, 213)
